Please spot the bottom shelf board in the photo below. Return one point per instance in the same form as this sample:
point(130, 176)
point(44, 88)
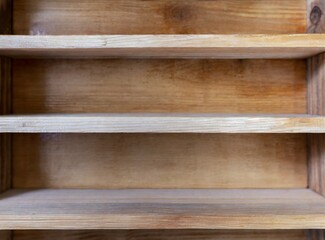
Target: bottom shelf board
point(162, 209)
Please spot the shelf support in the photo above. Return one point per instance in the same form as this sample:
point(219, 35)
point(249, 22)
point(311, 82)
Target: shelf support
point(316, 105)
point(5, 105)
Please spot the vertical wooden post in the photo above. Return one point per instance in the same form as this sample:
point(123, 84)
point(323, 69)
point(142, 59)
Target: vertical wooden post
point(5, 105)
point(316, 105)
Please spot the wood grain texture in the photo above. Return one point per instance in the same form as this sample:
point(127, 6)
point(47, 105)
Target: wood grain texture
point(162, 235)
point(158, 17)
point(114, 161)
point(5, 105)
point(5, 108)
point(161, 123)
point(316, 100)
point(164, 46)
point(159, 86)
point(5, 139)
point(315, 235)
point(5, 16)
point(162, 209)
point(6, 235)
point(315, 16)
point(315, 105)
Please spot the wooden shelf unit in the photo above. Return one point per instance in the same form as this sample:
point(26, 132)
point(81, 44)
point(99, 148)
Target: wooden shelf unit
point(204, 117)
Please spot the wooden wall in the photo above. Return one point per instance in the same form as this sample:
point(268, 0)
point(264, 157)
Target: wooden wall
point(158, 17)
point(162, 235)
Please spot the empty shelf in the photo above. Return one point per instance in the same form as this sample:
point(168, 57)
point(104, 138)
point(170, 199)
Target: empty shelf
point(164, 46)
point(162, 123)
point(153, 209)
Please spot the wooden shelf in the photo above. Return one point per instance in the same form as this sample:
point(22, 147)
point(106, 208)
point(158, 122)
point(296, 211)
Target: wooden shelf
point(164, 46)
point(153, 209)
point(162, 123)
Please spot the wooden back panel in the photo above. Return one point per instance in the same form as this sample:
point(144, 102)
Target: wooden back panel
point(180, 161)
point(162, 235)
point(206, 86)
point(159, 161)
point(156, 16)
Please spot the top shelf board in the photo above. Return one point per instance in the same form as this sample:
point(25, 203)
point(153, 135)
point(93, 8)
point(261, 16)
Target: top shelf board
point(163, 46)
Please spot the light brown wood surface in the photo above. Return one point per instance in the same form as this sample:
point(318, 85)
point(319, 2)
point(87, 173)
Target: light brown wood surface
point(316, 142)
point(153, 86)
point(162, 209)
point(160, 86)
point(165, 46)
point(159, 161)
point(163, 235)
point(161, 123)
point(153, 17)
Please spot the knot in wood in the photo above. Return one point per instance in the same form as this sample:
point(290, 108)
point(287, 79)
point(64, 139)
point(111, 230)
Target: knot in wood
point(315, 15)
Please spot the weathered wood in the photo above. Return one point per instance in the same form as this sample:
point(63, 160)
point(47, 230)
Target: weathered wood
point(162, 209)
point(316, 98)
point(316, 105)
point(315, 16)
point(165, 46)
point(153, 17)
point(316, 142)
point(161, 123)
point(162, 235)
point(118, 161)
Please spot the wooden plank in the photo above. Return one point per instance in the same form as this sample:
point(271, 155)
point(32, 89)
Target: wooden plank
point(161, 123)
point(165, 46)
point(158, 17)
point(159, 86)
point(162, 235)
point(5, 105)
point(315, 105)
point(316, 143)
point(117, 161)
point(5, 108)
point(162, 209)
point(316, 100)
point(5, 97)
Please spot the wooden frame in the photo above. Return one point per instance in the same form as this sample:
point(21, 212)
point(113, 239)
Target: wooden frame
point(315, 103)
point(206, 209)
point(5, 105)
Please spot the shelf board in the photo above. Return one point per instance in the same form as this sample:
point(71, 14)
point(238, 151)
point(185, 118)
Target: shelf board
point(161, 123)
point(162, 209)
point(164, 46)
